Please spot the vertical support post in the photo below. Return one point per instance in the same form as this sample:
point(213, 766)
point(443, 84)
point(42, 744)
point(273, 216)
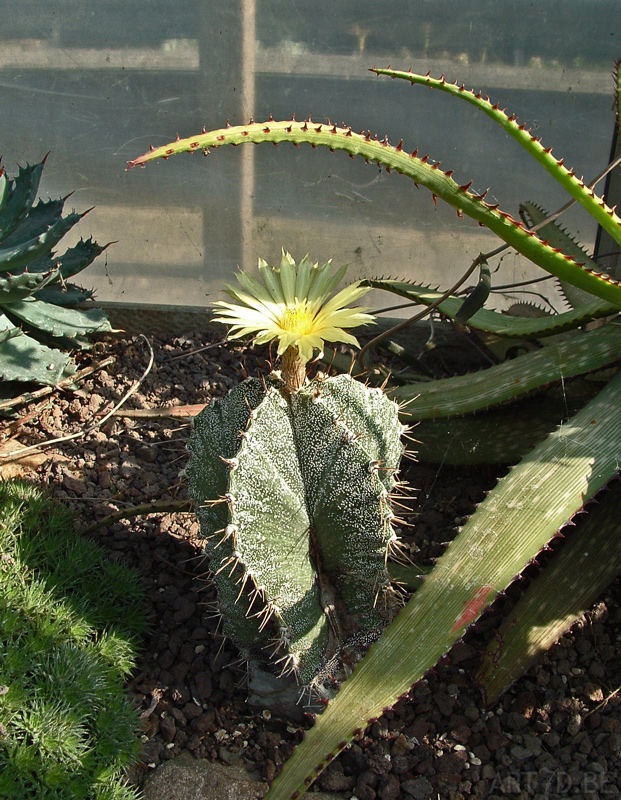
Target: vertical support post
point(248, 153)
point(226, 50)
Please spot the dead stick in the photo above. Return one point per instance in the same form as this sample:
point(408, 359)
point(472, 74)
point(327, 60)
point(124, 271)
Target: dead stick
point(143, 510)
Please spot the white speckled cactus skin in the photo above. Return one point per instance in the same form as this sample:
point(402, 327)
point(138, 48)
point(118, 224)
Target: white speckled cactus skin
point(292, 493)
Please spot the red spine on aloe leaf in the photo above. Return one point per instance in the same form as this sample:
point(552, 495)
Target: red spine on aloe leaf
point(473, 608)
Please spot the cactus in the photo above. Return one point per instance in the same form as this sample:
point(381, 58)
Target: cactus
point(293, 484)
point(35, 317)
point(540, 495)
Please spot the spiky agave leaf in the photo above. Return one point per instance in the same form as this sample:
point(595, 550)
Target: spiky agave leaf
point(24, 359)
point(33, 288)
point(58, 321)
point(18, 195)
point(21, 286)
point(39, 219)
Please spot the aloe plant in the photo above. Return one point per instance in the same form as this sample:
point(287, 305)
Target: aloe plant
point(542, 493)
point(37, 322)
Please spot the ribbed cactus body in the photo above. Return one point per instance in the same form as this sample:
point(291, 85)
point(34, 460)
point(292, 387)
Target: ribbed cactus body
point(292, 494)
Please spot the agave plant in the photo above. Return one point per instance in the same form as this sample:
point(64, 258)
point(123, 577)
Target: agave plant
point(37, 322)
point(540, 495)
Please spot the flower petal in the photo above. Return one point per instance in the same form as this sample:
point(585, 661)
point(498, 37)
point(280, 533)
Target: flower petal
point(287, 281)
point(271, 278)
point(292, 304)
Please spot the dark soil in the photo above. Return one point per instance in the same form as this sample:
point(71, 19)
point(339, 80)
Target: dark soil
point(555, 734)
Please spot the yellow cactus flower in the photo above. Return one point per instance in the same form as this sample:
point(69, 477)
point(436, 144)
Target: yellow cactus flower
point(293, 305)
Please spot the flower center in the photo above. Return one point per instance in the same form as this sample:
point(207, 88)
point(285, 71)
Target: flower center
point(297, 319)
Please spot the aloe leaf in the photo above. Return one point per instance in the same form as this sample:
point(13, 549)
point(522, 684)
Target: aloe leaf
point(58, 321)
point(18, 287)
point(532, 214)
point(463, 394)
point(440, 183)
point(500, 435)
point(512, 525)
point(596, 207)
point(616, 74)
point(558, 596)
point(495, 322)
point(409, 576)
point(557, 236)
point(477, 298)
point(22, 192)
point(24, 359)
point(21, 254)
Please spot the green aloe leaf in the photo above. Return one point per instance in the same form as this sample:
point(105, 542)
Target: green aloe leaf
point(500, 435)
point(477, 298)
point(439, 183)
point(495, 322)
point(463, 394)
point(533, 214)
point(596, 206)
point(512, 525)
point(558, 596)
point(58, 321)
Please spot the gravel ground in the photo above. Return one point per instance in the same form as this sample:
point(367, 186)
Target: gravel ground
point(555, 734)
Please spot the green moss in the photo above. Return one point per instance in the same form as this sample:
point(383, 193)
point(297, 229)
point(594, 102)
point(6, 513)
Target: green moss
point(70, 622)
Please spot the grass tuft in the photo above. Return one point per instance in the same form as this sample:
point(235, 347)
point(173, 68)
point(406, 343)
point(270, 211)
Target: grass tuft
point(70, 623)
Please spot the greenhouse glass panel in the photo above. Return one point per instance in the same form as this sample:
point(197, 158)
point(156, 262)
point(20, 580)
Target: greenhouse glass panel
point(95, 83)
